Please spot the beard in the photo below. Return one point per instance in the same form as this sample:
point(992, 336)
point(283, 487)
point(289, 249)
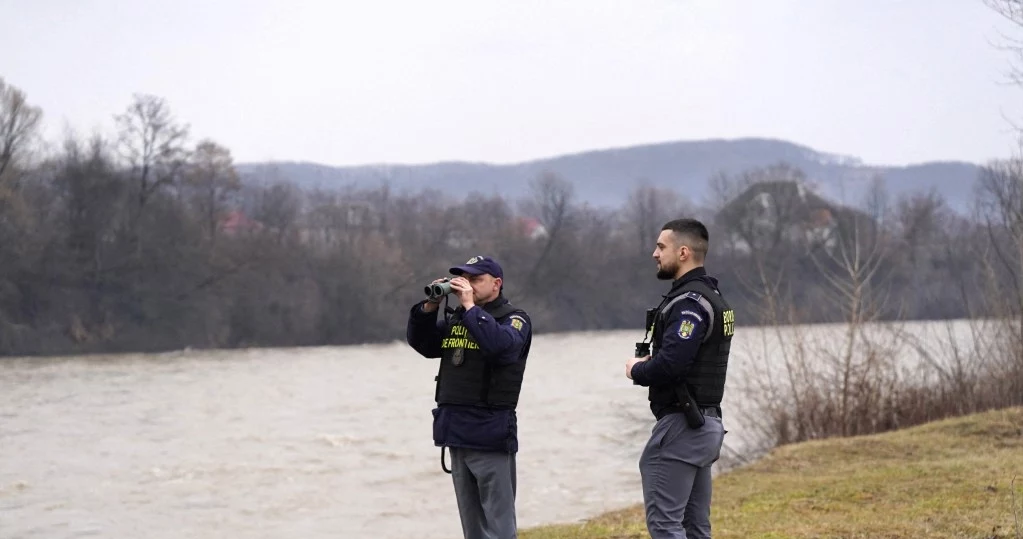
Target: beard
point(666, 273)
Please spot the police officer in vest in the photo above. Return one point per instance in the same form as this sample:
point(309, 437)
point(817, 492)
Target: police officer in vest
point(685, 373)
point(483, 345)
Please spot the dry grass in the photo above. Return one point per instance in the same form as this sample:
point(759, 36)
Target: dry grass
point(945, 479)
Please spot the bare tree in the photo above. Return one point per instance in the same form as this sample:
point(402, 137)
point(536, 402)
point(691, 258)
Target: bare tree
point(213, 180)
point(486, 222)
point(647, 209)
point(91, 192)
point(1012, 11)
point(854, 281)
point(928, 235)
point(279, 208)
point(153, 144)
point(1000, 205)
point(552, 202)
point(18, 124)
point(918, 222)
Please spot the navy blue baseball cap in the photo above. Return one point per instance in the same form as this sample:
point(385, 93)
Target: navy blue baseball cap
point(479, 265)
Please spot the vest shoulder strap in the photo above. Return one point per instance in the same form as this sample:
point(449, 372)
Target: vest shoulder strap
point(504, 310)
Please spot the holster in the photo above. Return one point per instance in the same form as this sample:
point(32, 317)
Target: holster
point(691, 411)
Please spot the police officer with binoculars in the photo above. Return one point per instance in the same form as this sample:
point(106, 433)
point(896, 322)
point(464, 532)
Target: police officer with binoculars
point(483, 344)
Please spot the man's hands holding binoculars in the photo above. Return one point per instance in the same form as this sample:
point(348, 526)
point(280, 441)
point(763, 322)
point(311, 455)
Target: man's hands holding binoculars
point(460, 287)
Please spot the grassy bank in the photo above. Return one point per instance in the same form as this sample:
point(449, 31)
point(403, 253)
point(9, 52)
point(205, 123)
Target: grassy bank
point(944, 479)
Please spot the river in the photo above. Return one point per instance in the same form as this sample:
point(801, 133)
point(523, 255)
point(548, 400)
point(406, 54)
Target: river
point(311, 442)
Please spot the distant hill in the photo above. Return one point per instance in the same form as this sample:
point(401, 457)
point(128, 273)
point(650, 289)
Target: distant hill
point(605, 177)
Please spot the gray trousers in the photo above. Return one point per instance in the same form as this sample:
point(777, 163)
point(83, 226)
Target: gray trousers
point(485, 491)
point(675, 468)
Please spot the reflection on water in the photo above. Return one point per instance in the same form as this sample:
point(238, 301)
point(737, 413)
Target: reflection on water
point(290, 442)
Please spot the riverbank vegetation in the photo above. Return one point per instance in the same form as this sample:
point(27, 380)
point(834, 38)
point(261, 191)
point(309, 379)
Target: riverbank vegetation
point(953, 478)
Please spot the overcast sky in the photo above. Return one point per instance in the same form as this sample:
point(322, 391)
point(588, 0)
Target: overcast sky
point(352, 82)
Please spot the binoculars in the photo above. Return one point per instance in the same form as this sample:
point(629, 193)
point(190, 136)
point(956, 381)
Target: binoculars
point(642, 349)
point(438, 290)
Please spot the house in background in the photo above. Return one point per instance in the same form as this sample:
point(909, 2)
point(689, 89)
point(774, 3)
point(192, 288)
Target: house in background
point(769, 213)
point(530, 227)
point(236, 223)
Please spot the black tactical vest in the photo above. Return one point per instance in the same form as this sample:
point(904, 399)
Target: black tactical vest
point(706, 377)
point(467, 377)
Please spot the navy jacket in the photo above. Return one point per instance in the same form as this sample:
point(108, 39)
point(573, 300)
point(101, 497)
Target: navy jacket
point(468, 426)
point(679, 346)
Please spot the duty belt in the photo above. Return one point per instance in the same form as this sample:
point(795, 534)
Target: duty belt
point(711, 411)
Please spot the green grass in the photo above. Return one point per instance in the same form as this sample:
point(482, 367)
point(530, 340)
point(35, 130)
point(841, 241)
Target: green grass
point(947, 479)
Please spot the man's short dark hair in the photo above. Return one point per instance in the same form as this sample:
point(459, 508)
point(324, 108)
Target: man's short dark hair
point(692, 234)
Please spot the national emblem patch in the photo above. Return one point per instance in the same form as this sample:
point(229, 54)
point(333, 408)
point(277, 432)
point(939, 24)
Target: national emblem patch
point(516, 323)
point(685, 329)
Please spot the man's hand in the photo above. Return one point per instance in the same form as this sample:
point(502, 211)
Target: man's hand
point(464, 290)
point(632, 361)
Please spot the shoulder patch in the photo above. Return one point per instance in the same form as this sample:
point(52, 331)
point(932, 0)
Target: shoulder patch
point(685, 329)
point(517, 321)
